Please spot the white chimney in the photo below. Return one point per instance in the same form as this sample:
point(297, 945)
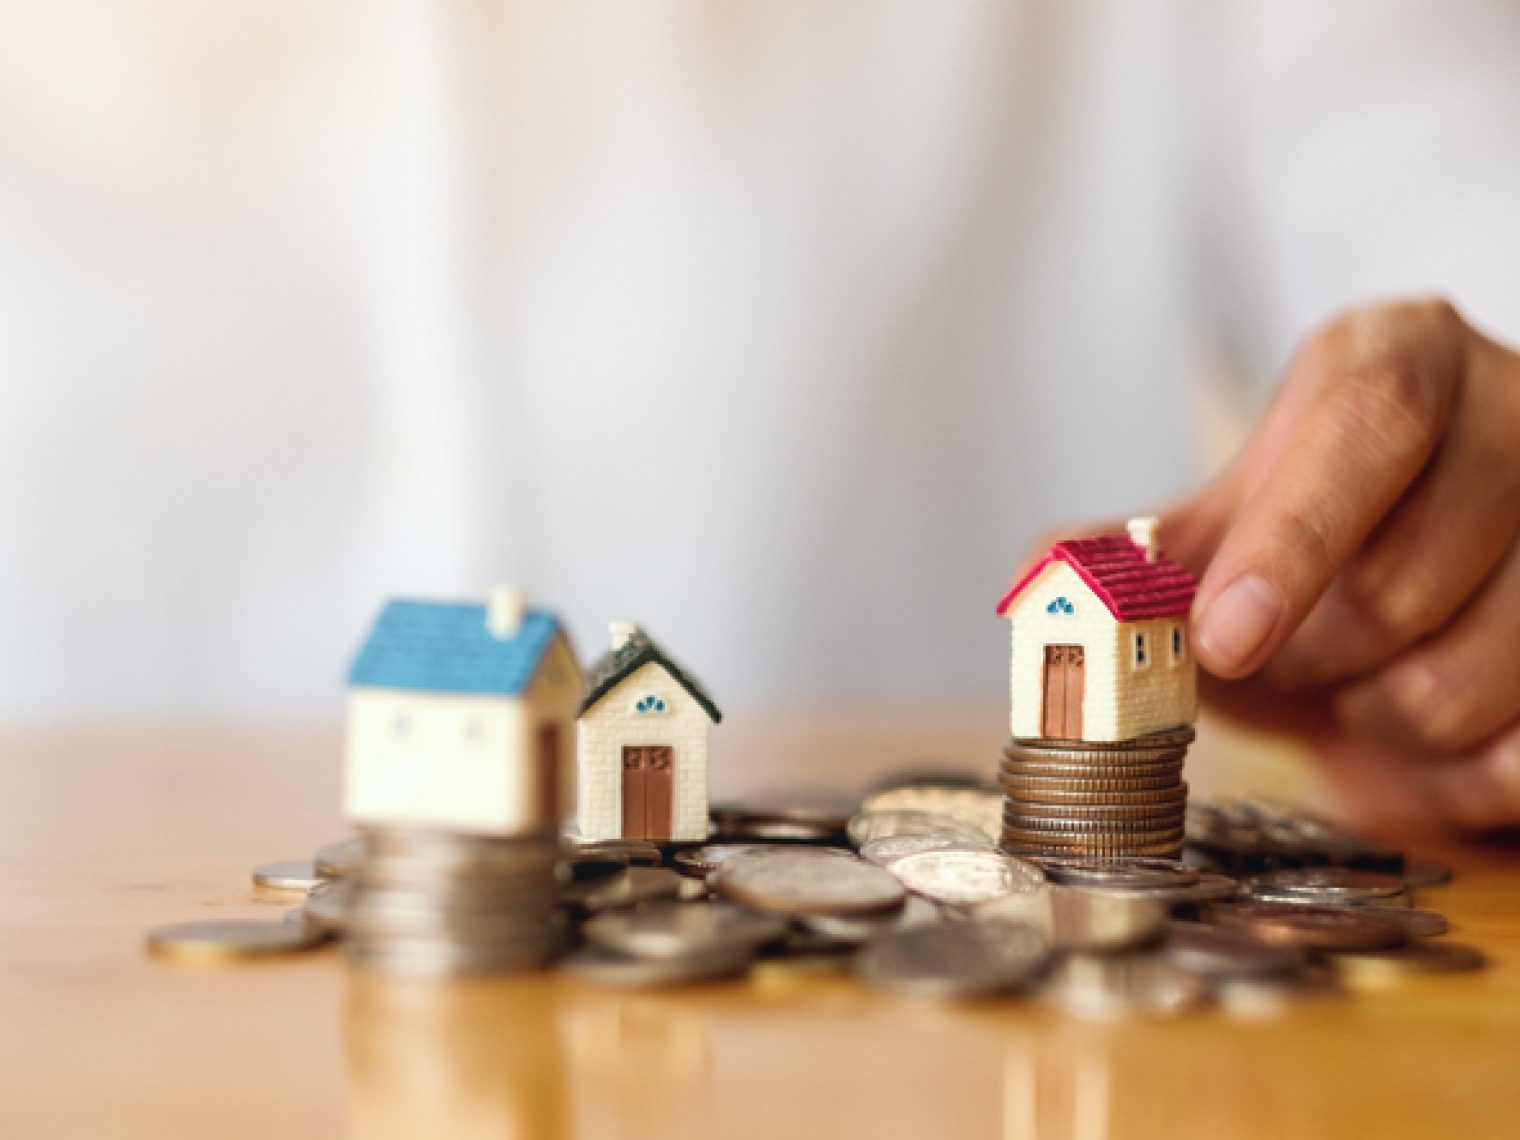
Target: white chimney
point(621, 632)
point(1142, 532)
point(504, 611)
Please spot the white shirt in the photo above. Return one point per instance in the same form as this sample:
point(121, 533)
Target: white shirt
point(777, 327)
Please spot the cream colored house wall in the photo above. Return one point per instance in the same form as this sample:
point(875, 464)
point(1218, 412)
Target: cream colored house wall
point(1118, 700)
point(464, 762)
point(1163, 694)
point(1092, 627)
point(611, 724)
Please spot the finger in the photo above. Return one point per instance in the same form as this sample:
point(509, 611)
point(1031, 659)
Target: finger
point(1483, 791)
point(1352, 456)
point(1453, 691)
point(1432, 553)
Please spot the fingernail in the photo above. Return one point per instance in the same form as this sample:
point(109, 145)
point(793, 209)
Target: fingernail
point(1239, 622)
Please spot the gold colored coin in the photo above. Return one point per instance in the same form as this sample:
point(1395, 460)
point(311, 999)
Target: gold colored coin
point(220, 942)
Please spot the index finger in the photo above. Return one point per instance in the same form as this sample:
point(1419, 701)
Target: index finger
point(1353, 454)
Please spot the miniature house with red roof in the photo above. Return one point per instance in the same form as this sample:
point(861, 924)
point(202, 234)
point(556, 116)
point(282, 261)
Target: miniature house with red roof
point(1100, 645)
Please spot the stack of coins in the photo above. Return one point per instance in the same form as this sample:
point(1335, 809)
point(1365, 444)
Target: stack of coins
point(1080, 797)
point(440, 904)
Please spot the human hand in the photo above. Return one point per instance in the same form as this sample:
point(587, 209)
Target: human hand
point(1360, 565)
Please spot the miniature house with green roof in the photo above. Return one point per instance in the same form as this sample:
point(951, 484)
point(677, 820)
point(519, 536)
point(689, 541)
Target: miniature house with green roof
point(460, 717)
point(642, 752)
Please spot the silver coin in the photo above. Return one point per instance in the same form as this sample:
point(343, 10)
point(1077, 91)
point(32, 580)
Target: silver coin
point(961, 876)
point(1135, 872)
point(1330, 886)
point(955, 960)
point(700, 862)
point(635, 885)
point(867, 826)
point(677, 929)
point(974, 806)
point(1219, 953)
point(796, 883)
point(288, 875)
point(341, 858)
point(1116, 988)
point(889, 848)
point(327, 905)
point(606, 968)
point(859, 929)
point(1209, 888)
point(230, 941)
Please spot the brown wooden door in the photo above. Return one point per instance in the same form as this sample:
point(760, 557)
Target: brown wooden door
point(1061, 714)
point(648, 789)
point(548, 773)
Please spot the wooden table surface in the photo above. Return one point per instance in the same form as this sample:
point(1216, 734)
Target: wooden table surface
point(104, 834)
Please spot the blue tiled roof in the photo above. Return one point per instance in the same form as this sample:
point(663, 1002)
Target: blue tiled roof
point(445, 647)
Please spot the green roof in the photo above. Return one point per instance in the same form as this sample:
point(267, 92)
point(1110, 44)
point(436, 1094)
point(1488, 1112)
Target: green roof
point(611, 667)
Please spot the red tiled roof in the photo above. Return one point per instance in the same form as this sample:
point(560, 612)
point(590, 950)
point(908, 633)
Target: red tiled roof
point(1116, 570)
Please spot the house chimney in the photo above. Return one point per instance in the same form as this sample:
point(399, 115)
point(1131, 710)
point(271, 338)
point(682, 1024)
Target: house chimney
point(1142, 532)
point(504, 611)
point(621, 632)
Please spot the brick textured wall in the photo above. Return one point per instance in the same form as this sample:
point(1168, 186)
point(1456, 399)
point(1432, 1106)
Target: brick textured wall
point(1119, 701)
point(612, 724)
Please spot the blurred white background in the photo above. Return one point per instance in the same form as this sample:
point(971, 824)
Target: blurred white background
point(778, 327)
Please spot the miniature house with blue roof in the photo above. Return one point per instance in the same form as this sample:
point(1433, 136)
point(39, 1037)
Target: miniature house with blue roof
point(462, 716)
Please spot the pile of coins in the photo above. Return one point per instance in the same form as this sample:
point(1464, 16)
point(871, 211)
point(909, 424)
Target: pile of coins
point(1267, 906)
point(439, 904)
point(1077, 797)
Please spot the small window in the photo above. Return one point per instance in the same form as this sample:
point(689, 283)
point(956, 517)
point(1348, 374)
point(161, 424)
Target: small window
point(1142, 654)
point(1061, 605)
point(649, 704)
point(1179, 645)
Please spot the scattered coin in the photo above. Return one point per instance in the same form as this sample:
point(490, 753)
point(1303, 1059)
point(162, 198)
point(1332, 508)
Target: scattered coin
point(339, 859)
point(868, 826)
point(955, 960)
point(629, 852)
point(797, 883)
point(1134, 872)
point(290, 875)
point(964, 876)
point(700, 862)
point(1311, 927)
point(795, 822)
point(327, 905)
point(1374, 969)
point(886, 850)
point(978, 807)
point(676, 929)
point(231, 941)
point(1416, 923)
point(1420, 873)
point(605, 967)
point(634, 885)
point(1340, 886)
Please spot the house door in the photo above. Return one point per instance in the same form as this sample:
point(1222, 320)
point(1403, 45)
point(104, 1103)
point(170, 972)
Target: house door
point(548, 773)
point(1061, 715)
point(647, 792)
